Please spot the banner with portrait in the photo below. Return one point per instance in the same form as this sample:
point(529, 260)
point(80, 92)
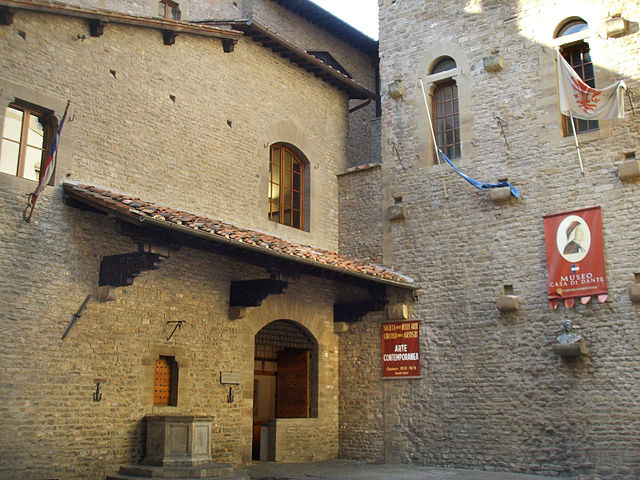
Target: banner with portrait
point(575, 255)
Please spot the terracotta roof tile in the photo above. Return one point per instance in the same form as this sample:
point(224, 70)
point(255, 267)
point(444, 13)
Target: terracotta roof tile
point(135, 208)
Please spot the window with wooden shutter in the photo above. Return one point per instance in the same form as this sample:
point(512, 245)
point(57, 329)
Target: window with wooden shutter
point(165, 382)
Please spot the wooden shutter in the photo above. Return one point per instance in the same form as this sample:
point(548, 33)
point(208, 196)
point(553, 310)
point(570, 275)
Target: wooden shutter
point(292, 384)
point(162, 381)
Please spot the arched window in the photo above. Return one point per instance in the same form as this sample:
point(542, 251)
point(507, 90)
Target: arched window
point(286, 186)
point(446, 117)
point(577, 54)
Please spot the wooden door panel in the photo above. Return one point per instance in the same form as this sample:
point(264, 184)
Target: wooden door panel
point(292, 384)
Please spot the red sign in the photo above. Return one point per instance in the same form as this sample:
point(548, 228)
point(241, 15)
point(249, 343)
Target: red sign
point(575, 254)
point(401, 349)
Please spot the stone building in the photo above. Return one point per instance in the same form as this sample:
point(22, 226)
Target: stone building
point(163, 276)
point(186, 249)
point(493, 392)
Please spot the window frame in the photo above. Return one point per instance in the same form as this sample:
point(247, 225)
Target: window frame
point(169, 9)
point(451, 150)
point(49, 124)
point(279, 214)
point(569, 43)
point(441, 79)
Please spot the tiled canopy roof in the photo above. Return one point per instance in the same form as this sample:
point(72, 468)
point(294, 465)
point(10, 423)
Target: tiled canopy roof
point(133, 208)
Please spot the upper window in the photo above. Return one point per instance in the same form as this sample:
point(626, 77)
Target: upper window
point(169, 9)
point(286, 187)
point(446, 117)
point(579, 57)
point(26, 136)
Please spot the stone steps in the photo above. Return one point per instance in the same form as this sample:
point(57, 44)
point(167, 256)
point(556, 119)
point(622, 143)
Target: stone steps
point(212, 471)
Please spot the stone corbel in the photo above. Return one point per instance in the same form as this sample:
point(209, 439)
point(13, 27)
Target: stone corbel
point(508, 302)
point(616, 26)
point(630, 170)
point(493, 62)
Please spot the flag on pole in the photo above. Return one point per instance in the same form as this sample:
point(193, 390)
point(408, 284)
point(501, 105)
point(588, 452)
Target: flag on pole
point(47, 170)
point(481, 185)
point(581, 101)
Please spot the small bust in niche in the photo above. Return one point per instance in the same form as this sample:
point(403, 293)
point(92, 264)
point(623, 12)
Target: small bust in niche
point(567, 336)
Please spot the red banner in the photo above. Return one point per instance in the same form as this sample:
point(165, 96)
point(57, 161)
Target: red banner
point(401, 349)
point(575, 254)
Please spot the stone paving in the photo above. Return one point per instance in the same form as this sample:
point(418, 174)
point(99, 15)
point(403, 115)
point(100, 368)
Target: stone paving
point(355, 470)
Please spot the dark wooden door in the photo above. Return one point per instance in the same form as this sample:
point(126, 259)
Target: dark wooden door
point(162, 382)
point(292, 384)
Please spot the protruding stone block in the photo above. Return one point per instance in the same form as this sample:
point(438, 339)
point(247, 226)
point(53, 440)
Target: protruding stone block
point(396, 90)
point(634, 292)
point(629, 170)
point(340, 327)
point(571, 349)
point(500, 194)
point(615, 27)
point(399, 311)
point(493, 62)
point(396, 212)
point(508, 303)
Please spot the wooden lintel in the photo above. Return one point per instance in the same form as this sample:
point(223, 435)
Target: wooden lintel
point(96, 27)
point(228, 44)
point(6, 16)
point(251, 293)
point(169, 37)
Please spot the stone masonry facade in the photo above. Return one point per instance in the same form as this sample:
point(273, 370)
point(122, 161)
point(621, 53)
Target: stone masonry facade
point(364, 127)
point(187, 126)
point(493, 393)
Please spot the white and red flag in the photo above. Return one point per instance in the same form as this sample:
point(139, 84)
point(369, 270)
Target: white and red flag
point(581, 101)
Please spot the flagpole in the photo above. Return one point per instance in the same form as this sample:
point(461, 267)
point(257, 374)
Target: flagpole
point(575, 137)
point(433, 137)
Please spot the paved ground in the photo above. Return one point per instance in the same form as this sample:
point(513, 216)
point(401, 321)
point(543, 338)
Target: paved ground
point(354, 470)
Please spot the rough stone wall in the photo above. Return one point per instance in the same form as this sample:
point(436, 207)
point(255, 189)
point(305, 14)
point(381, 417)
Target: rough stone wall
point(51, 428)
point(361, 146)
point(129, 135)
point(126, 122)
point(361, 391)
point(290, 26)
point(493, 394)
point(361, 216)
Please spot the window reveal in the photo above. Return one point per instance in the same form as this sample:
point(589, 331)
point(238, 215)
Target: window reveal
point(286, 180)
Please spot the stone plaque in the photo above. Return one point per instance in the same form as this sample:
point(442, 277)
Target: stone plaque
point(232, 378)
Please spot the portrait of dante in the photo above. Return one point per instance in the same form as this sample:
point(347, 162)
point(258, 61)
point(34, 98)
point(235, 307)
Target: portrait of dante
point(575, 236)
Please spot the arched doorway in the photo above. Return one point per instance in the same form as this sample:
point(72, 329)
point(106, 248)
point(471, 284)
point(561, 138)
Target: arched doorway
point(285, 379)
